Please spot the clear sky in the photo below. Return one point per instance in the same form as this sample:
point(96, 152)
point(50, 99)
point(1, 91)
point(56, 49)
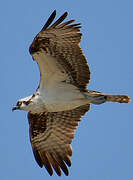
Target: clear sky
point(103, 144)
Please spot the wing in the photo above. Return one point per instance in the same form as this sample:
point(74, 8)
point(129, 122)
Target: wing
point(51, 135)
point(57, 51)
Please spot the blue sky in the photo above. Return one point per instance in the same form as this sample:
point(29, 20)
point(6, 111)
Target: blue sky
point(103, 144)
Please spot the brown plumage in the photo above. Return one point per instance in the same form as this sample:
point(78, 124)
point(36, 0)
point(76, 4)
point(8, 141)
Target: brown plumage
point(62, 41)
point(51, 135)
point(57, 51)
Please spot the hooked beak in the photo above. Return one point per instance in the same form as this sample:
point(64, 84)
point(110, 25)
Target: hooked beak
point(15, 108)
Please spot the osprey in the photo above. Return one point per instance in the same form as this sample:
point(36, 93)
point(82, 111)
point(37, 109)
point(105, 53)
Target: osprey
point(55, 109)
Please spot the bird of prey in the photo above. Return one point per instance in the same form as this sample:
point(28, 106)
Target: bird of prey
point(55, 109)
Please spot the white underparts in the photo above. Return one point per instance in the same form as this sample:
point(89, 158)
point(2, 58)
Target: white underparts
point(61, 97)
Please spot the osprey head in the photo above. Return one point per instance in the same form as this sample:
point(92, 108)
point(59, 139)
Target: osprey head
point(24, 104)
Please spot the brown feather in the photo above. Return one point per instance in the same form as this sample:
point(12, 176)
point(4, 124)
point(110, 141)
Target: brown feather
point(54, 164)
point(67, 160)
point(61, 41)
point(49, 148)
point(46, 163)
point(59, 20)
point(66, 23)
point(61, 164)
point(49, 21)
point(37, 158)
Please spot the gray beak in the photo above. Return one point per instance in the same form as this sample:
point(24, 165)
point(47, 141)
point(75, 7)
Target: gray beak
point(15, 108)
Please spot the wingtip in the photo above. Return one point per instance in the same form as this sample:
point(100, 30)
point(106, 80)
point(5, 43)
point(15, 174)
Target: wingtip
point(58, 21)
point(49, 21)
point(54, 12)
point(66, 13)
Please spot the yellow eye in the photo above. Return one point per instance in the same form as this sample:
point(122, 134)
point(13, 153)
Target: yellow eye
point(19, 103)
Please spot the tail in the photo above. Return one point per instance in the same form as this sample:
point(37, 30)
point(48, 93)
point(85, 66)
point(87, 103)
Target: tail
point(99, 98)
point(118, 98)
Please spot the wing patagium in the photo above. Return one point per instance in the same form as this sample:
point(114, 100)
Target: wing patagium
point(51, 136)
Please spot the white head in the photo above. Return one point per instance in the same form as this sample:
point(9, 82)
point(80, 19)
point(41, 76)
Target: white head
point(25, 104)
point(31, 103)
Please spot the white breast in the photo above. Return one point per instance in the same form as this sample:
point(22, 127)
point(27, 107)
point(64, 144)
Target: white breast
point(61, 97)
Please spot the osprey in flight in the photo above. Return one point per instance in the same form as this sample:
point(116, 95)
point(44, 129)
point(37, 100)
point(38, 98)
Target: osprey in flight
point(55, 109)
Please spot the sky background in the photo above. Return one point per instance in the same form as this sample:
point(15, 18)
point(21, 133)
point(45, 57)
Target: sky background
point(103, 144)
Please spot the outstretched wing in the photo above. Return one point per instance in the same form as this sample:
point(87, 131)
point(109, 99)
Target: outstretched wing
point(51, 134)
point(57, 51)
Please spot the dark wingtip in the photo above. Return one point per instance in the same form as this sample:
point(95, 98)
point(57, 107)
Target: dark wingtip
point(53, 13)
point(65, 14)
point(59, 20)
point(49, 21)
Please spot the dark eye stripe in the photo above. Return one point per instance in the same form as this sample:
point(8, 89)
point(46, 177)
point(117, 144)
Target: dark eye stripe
point(26, 102)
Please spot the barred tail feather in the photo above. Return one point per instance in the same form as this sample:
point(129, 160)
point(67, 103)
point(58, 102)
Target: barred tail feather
point(99, 98)
point(118, 98)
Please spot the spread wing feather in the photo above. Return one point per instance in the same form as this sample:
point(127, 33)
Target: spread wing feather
point(51, 135)
point(61, 41)
point(49, 21)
